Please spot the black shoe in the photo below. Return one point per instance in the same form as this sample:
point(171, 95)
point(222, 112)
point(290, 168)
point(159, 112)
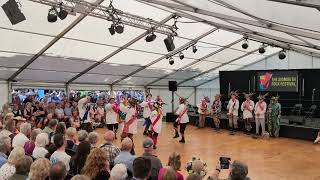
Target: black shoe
point(176, 136)
point(145, 133)
point(154, 147)
point(247, 132)
point(182, 141)
point(255, 136)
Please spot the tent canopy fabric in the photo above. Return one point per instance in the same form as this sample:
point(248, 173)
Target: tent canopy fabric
point(38, 51)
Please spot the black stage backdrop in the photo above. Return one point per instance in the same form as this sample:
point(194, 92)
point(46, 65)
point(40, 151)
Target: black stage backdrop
point(245, 81)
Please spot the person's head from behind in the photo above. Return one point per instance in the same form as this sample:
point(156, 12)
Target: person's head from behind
point(119, 172)
point(109, 136)
point(58, 140)
point(80, 177)
point(194, 177)
point(5, 144)
point(15, 155)
point(82, 135)
point(148, 145)
point(238, 170)
point(93, 138)
point(61, 128)
point(23, 165)
point(71, 133)
point(141, 168)
point(9, 123)
point(126, 144)
point(34, 134)
point(169, 174)
point(42, 140)
point(96, 161)
point(52, 123)
point(58, 171)
point(40, 169)
point(175, 161)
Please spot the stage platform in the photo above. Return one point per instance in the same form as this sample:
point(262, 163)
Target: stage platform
point(286, 130)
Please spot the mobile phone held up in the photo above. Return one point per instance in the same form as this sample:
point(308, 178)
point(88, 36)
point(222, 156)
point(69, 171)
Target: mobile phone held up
point(225, 162)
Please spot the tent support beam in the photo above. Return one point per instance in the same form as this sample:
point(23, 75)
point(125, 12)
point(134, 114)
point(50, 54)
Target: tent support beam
point(305, 3)
point(119, 49)
point(215, 68)
point(53, 41)
point(183, 47)
point(197, 61)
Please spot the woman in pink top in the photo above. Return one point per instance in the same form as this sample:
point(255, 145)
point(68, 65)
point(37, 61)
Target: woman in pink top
point(175, 163)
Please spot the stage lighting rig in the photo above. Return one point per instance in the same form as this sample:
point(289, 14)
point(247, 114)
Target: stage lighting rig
point(119, 28)
point(151, 37)
point(171, 61)
point(111, 29)
point(52, 15)
point(194, 49)
point(181, 55)
point(245, 44)
point(282, 54)
point(62, 13)
point(262, 49)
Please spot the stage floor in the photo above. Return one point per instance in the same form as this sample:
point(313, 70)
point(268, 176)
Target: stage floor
point(272, 159)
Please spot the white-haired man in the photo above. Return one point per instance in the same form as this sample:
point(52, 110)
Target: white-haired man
point(5, 147)
point(112, 150)
point(22, 137)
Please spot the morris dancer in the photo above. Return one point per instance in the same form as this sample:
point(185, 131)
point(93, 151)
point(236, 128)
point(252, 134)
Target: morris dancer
point(131, 120)
point(147, 109)
point(274, 113)
point(156, 122)
point(203, 111)
point(260, 111)
point(247, 108)
point(216, 110)
point(233, 107)
point(182, 120)
point(112, 112)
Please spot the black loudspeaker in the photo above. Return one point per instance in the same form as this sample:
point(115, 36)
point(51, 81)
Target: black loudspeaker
point(173, 86)
point(169, 43)
point(13, 12)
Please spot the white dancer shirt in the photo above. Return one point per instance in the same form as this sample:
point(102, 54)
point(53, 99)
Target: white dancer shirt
point(130, 111)
point(260, 111)
point(180, 110)
point(247, 112)
point(111, 115)
point(233, 107)
point(157, 127)
point(146, 108)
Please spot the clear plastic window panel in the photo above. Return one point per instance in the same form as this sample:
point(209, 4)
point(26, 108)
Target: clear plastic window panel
point(13, 59)
point(96, 79)
point(113, 69)
point(137, 81)
point(203, 66)
point(165, 82)
point(181, 75)
point(44, 76)
point(178, 63)
point(5, 72)
point(154, 72)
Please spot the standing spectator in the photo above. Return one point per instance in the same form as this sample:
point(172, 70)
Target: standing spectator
point(51, 108)
point(111, 150)
point(194, 177)
point(97, 166)
point(45, 122)
point(125, 157)
point(5, 110)
point(8, 169)
point(155, 161)
point(75, 120)
point(238, 171)
point(22, 137)
point(169, 174)
point(41, 142)
point(67, 109)
point(175, 163)
point(141, 168)
point(58, 171)
point(93, 139)
point(119, 172)
point(82, 135)
point(8, 126)
point(5, 147)
point(80, 177)
point(40, 169)
point(60, 154)
point(71, 138)
point(79, 159)
point(59, 112)
point(51, 128)
point(30, 145)
point(60, 129)
point(27, 112)
point(16, 110)
point(22, 168)
point(38, 112)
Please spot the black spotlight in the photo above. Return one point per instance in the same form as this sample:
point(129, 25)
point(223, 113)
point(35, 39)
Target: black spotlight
point(181, 55)
point(52, 15)
point(245, 44)
point(151, 37)
point(111, 29)
point(171, 61)
point(119, 28)
point(194, 49)
point(62, 13)
point(262, 49)
point(282, 54)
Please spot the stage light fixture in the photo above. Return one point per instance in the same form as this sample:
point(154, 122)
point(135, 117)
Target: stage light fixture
point(111, 29)
point(151, 37)
point(171, 61)
point(194, 49)
point(62, 13)
point(245, 44)
point(119, 28)
point(262, 49)
point(52, 15)
point(181, 55)
point(282, 54)
point(169, 43)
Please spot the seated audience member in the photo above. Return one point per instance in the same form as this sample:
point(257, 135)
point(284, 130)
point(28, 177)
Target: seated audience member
point(67, 109)
point(5, 147)
point(61, 129)
point(22, 168)
point(80, 177)
point(155, 162)
point(59, 112)
point(60, 154)
point(97, 166)
point(93, 138)
point(111, 150)
point(119, 172)
point(30, 145)
point(51, 149)
point(125, 157)
point(194, 177)
point(8, 169)
point(58, 171)
point(75, 120)
point(41, 142)
point(71, 138)
point(169, 174)
point(82, 135)
point(175, 163)
point(317, 139)
point(141, 168)
point(18, 121)
point(238, 171)
point(40, 169)
point(9, 126)
point(51, 127)
point(22, 137)
point(79, 159)
point(46, 121)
